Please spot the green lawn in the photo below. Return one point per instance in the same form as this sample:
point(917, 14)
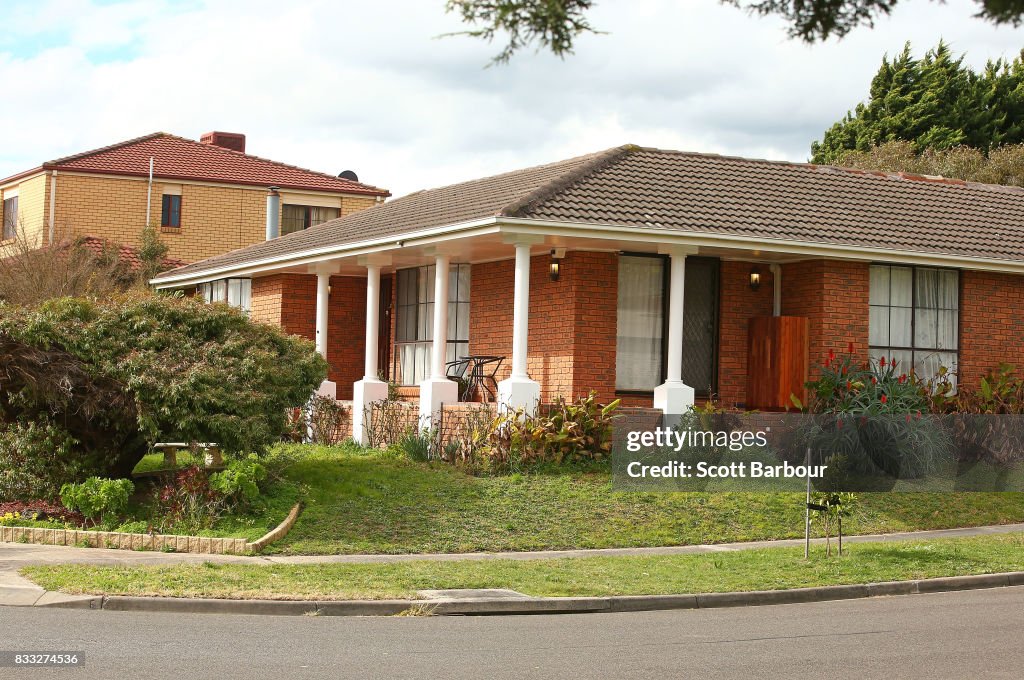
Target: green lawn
point(376, 502)
point(766, 569)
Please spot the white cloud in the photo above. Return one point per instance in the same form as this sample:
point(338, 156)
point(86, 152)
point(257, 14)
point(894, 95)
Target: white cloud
point(369, 87)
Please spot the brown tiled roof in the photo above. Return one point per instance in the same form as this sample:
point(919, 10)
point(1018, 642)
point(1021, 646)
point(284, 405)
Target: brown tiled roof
point(700, 194)
point(126, 254)
point(186, 159)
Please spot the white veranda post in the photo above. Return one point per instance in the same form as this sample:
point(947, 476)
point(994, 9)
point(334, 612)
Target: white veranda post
point(518, 391)
point(323, 296)
point(370, 388)
point(674, 396)
point(437, 389)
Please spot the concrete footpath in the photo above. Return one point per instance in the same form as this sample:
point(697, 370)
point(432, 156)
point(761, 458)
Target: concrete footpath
point(15, 590)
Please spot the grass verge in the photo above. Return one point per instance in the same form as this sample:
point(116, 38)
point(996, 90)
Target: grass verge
point(764, 569)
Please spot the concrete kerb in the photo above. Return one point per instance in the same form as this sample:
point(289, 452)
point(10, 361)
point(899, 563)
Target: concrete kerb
point(526, 605)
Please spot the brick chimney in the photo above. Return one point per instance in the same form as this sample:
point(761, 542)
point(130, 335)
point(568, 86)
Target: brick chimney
point(226, 140)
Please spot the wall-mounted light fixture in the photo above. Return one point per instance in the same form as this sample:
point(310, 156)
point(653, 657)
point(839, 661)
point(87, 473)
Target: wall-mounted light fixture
point(557, 254)
point(755, 278)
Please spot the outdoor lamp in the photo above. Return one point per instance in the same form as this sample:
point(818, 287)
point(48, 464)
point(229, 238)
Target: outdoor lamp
point(755, 278)
point(556, 262)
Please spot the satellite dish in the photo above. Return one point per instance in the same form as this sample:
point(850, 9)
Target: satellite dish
point(348, 174)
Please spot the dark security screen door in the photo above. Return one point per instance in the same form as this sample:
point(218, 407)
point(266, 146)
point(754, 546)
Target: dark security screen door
point(700, 324)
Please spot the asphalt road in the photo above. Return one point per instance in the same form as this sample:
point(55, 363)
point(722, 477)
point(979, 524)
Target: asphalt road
point(949, 635)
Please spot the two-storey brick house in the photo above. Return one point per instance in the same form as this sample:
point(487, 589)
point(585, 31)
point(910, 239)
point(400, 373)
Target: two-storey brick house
point(206, 198)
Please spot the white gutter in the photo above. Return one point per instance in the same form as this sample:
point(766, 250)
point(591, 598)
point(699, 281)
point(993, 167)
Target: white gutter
point(149, 194)
point(490, 225)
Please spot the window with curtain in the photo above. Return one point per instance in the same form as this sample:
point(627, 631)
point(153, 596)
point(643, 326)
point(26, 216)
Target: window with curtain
point(10, 217)
point(641, 323)
point(235, 292)
point(298, 217)
point(414, 320)
point(915, 317)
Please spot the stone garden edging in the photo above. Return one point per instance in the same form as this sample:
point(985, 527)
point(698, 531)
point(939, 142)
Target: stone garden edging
point(152, 542)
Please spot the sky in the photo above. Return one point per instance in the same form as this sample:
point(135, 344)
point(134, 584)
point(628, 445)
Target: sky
point(337, 85)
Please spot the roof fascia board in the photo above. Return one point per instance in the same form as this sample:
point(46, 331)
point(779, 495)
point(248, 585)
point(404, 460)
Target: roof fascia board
point(803, 249)
point(15, 180)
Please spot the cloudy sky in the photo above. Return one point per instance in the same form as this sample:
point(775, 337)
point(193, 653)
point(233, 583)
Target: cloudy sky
point(335, 84)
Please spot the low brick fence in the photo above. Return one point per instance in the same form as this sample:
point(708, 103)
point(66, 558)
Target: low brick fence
point(151, 542)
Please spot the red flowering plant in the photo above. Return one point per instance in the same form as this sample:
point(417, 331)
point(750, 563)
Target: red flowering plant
point(188, 503)
point(876, 417)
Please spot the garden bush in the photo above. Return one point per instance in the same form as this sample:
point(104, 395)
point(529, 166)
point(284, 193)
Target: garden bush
point(121, 374)
point(874, 424)
point(96, 498)
point(571, 431)
point(36, 459)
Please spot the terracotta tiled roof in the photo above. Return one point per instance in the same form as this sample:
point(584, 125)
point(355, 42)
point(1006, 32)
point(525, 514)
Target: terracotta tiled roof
point(127, 254)
point(652, 189)
point(186, 159)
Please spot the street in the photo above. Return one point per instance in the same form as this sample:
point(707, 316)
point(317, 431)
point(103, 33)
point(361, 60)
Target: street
point(949, 635)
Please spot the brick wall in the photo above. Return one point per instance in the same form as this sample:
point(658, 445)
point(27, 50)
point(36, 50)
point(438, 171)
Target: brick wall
point(571, 346)
point(214, 219)
point(991, 324)
point(738, 304)
point(346, 331)
point(33, 206)
point(833, 294)
point(289, 302)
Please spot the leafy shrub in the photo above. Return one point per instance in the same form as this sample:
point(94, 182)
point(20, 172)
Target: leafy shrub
point(875, 419)
point(416, 446)
point(570, 432)
point(96, 497)
point(123, 373)
point(188, 503)
point(239, 481)
point(36, 459)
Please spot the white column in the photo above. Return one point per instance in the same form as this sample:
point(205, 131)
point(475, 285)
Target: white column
point(370, 388)
point(518, 391)
point(323, 283)
point(674, 396)
point(438, 389)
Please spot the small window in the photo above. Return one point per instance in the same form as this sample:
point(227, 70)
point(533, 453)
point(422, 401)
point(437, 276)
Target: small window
point(234, 292)
point(298, 217)
point(10, 217)
point(170, 213)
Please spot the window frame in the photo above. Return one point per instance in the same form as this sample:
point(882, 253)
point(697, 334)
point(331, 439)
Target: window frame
point(912, 349)
point(9, 228)
point(167, 211)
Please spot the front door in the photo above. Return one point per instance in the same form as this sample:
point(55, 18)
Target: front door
point(700, 325)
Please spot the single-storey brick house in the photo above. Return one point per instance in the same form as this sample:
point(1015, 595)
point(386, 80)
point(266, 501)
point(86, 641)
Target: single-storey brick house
point(656, 276)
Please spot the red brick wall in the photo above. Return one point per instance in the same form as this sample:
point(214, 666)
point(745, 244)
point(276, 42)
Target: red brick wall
point(738, 304)
point(833, 294)
point(346, 332)
point(571, 346)
point(287, 301)
point(991, 324)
